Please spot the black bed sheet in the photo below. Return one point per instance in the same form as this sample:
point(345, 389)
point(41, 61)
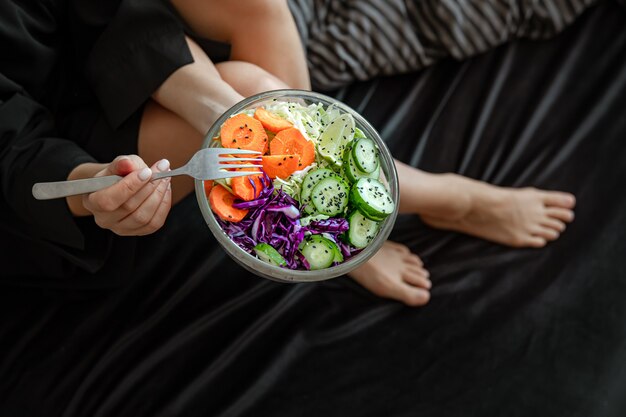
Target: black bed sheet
point(509, 332)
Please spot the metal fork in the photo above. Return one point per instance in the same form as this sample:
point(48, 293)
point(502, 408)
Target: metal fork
point(206, 164)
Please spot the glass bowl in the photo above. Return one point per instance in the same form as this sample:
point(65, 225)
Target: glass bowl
point(388, 176)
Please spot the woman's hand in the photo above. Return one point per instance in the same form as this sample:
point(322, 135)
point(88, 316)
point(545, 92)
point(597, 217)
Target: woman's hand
point(134, 206)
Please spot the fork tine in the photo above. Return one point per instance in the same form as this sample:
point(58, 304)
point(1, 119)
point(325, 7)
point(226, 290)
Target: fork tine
point(229, 151)
point(226, 159)
point(237, 166)
point(231, 174)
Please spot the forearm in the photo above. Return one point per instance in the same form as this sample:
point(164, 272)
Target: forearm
point(196, 92)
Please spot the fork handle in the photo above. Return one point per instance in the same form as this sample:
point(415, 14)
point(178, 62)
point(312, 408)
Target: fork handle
point(58, 189)
point(178, 171)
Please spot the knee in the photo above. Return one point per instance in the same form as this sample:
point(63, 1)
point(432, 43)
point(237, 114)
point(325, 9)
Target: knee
point(267, 82)
point(258, 9)
point(247, 78)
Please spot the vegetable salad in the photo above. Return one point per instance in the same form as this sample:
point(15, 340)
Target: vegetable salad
point(319, 200)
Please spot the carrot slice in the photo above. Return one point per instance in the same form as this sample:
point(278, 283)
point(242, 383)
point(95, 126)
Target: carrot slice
point(208, 185)
point(244, 189)
point(244, 132)
point(270, 121)
point(221, 201)
point(281, 166)
point(292, 142)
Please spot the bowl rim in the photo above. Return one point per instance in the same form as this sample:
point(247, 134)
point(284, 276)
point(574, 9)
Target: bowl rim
point(276, 273)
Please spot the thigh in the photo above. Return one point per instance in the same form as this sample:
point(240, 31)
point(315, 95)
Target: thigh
point(219, 19)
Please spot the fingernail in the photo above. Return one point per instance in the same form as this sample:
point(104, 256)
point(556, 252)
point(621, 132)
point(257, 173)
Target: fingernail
point(145, 173)
point(163, 165)
point(169, 187)
point(121, 158)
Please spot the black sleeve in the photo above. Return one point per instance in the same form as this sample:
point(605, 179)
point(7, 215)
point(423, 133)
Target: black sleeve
point(30, 153)
point(31, 150)
point(140, 48)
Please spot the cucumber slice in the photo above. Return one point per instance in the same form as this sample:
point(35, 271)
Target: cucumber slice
point(365, 155)
point(330, 195)
point(372, 199)
point(352, 172)
point(335, 137)
point(338, 255)
point(310, 180)
point(358, 133)
point(268, 254)
point(305, 221)
point(319, 252)
point(362, 230)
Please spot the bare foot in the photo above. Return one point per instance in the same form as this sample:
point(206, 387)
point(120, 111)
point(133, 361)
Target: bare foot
point(396, 273)
point(525, 217)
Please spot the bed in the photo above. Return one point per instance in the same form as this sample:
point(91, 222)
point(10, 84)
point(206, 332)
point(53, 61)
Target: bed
point(515, 332)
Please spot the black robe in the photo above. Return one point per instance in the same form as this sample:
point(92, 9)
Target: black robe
point(73, 78)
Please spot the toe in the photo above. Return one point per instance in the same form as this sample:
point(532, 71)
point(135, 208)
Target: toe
point(563, 214)
point(559, 199)
point(398, 246)
point(536, 242)
point(413, 259)
point(415, 297)
point(418, 278)
point(554, 224)
point(547, 233)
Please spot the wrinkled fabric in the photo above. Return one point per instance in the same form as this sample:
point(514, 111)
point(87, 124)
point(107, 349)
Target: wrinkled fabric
point(51, 121)
point(348, 40)
point(515, 332)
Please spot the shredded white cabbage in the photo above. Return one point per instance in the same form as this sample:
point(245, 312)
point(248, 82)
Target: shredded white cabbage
point(310, 120)
point(293, 184)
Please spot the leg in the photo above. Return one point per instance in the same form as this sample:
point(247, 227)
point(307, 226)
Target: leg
point(516, 217)
point(395, 273)
point(261, 32)
point(248, 79)
point(201, 91)
point(159, 137)
point(182, 103)
point(196, 92)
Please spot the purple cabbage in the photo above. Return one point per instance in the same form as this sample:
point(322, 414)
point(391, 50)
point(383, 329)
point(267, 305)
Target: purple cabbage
point(273, 218)
point(332, 225)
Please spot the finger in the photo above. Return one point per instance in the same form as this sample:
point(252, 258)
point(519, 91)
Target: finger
point(123, 165)
point(158, 220)
point(109, 219)
point(143, 215)
point(135, 201)
point(111, 198)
